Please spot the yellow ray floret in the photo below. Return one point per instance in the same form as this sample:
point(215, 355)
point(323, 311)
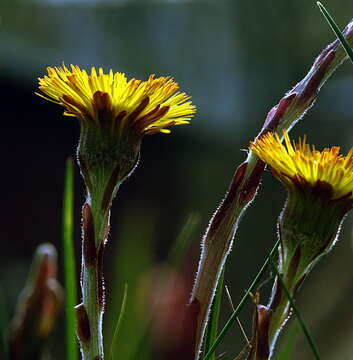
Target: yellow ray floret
point(149, 106)
point(303, 163)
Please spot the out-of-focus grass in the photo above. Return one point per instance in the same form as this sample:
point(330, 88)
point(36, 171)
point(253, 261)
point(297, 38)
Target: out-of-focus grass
point(180, 245)
point(132, 262)
point(134, 267)
point(69, 263)
point(118, 324)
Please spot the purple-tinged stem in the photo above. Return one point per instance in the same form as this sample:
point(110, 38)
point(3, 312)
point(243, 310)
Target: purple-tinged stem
point(218, 239)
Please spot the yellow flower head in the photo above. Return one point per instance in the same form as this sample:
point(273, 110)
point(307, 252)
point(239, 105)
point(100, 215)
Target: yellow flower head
point(302, 164)
point(146, 107)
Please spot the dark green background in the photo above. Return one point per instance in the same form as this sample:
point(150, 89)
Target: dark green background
point(236, 59)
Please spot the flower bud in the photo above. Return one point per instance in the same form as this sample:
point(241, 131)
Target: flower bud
point(37, 307)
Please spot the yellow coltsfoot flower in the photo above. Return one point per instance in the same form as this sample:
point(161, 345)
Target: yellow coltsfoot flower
point(302, 165)
point(320, 193)
point(146, 107)
point(114, 114)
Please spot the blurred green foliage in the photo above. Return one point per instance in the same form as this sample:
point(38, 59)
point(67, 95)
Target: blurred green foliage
point(236, 59)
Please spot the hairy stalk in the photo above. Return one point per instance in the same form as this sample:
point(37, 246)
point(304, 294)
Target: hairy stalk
point(270, 320)
point(308, 228)
point(90, 311)
point(114, 115)
point(297, 314)
point(281, 313)
point(218, 239)
point(101, 189)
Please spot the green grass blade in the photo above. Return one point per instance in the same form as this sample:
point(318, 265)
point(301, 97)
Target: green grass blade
point(178, 249)
point(212, 326)
point(336, 30)
point(233, 317)
point(132, 265)
point(174, 258)
point(118, 323)
point(238, 321)
point(69, 263)
point(4, 328)
point(296, 312)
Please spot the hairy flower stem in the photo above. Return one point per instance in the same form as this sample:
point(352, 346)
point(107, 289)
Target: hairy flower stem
point(280, 312)
point(308, 227)
point(90, 312)
point(102, 182)
point(269, 321)
point(92, 346)
point(114, 115)
point(219, 236)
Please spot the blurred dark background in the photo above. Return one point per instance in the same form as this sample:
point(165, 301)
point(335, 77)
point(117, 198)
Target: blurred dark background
point(236, 59)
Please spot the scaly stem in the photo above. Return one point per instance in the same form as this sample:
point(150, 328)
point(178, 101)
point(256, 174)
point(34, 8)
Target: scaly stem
point(92, 349)
point(219, 236)
point(105, 161)
point(268, 323)
point(271, 319)
point(280, 311)
point(92, 284)
point(95, 228)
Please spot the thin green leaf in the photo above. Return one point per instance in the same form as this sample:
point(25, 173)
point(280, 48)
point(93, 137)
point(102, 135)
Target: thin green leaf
point(233, 309)
point(4, 326)
point(118, 323)
point(69, 264)
point(178, 249)
point(174, 258)
point(212, 326)
point(133, 259)
point(296, 311)
point(336, 30)
point(233, 317)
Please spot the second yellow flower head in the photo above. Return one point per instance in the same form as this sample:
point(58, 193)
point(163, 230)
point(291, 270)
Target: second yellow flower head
point(302, 164)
